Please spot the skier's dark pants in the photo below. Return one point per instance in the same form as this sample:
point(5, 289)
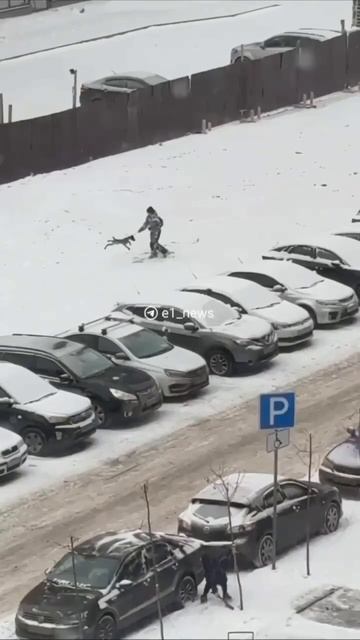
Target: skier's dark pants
point(155, 245)
point(211, 585)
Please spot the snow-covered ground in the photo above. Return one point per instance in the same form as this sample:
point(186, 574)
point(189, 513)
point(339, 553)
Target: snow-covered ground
point(75, 23)
point(160, 50)
point(238, 190)
point(270, 596)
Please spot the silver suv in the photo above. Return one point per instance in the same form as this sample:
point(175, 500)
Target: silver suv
point(179, 372)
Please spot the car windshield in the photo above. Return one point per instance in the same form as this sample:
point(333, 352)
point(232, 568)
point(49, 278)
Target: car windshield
point(213, 314)
point(145, 344)
point(85, 362)
point(23, 385)
point(254, 296)
point(293, 276)
point(92, 572)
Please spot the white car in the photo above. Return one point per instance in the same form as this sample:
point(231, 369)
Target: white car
point(292, 323)
point(208, 327)
point(326, 301)
point(13, 452)
point(178, 371)
point(43, 416)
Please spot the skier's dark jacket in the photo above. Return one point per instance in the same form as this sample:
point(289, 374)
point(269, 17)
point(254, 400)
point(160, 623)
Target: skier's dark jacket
point(153, 222)
point(214, 569)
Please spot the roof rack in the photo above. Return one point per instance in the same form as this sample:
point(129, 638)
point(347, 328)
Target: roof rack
point(108, 318)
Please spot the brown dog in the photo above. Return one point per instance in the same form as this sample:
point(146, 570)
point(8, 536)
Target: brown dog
point(126, 242)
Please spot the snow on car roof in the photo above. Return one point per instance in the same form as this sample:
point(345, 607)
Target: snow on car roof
point(181, 299)
point(346, 248)
point(243, 291)
point(316, 34)
point(242, 487)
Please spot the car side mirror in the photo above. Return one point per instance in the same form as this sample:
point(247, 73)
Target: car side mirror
point(279, 288)
point(165, 330)
point(239, 311)
point(120, 356)
point(190, 326)
point(123, 584)
point(65, 377)
point(336, 264)
point(7, 402)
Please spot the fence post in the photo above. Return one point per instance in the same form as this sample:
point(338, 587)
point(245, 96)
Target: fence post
point(242, 53)
point(10, 110)
point(342, 22)
point(258, 112)
point(1, 109)
point(203, 126)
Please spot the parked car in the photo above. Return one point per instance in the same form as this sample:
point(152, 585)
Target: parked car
point(326, 301)
point(118, 83)
point(284, 42)
point(178, 371)
point(292, 323)
point(208, 327)
point(332, 257)
point(116, 587)
point(117, 392)
point(349, 232)
point(252, 499)
point(13, 451)
point(341, 465)
point(43, 416)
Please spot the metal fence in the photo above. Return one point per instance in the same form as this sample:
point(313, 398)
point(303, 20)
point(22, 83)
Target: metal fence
point(148, 116)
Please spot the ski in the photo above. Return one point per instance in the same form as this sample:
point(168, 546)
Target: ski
point(226, 602)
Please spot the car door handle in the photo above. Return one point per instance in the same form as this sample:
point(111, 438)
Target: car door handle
point(296, 507)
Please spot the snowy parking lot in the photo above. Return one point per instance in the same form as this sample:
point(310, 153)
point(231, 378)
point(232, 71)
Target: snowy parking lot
point(224, 197)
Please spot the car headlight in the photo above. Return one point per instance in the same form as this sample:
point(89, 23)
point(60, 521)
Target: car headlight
point(57, 420)
point(122, 395)
point(184, 524)
point(244, 343)
point(176, 374)
point(328, 303)
point(240, 528)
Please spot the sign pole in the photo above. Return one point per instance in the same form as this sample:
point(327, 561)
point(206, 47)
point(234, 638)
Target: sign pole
point(276, 464)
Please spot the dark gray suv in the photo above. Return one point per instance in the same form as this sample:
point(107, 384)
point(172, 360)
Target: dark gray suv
point(209, 327)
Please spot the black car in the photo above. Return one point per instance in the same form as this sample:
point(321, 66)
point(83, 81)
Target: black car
point(252, 500)
point(335, 257)
point(341, 465)
point(116, 391)
point(115, 586)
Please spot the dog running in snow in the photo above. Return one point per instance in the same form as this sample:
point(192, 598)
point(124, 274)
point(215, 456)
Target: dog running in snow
point(126, 242)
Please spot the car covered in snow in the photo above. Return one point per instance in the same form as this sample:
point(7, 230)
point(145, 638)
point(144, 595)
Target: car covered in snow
point(44, 417)
point(326, 301)
point(304, 37)
point(114, 573)
point(341, 465)
point(250, 497)
point(179, 372)
point(13, 451)
point(292, 323)
point(332, 257)
point(117, 393)
point(208, 327)
point(118, 83)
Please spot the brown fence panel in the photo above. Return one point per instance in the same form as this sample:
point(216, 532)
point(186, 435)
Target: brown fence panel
point(217, 95)
point(353, 57)
point(151, 123)
point(101, 128)
point(177, 108)
point(322, 67)
point(15, 137)
point(64, 134)
point(41, 157)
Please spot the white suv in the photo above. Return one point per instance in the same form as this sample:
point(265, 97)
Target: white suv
point(13, 451)
point(179, 372)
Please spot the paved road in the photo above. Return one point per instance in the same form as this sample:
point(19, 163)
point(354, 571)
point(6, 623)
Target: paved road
point(35, 532)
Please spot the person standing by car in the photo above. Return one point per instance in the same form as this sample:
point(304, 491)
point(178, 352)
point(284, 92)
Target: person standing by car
point(214, 563)
point(154, 223)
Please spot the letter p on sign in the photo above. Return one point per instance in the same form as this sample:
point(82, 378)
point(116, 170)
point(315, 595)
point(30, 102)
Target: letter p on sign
point(277, 411)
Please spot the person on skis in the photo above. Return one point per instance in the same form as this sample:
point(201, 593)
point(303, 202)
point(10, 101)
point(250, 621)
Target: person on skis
point(215, 574)
point(154, 223)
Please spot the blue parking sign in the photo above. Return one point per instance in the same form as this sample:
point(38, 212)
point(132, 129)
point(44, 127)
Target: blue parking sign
point(277, 410)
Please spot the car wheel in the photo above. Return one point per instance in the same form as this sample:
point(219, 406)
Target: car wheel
point(106, 628)
point(331, 518)
point(264, 551)
point(100, 412)
point(35, 440)
point(186, 591)
point(221, 362)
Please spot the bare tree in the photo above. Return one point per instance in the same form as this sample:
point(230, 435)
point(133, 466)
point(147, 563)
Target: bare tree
point(306, 454)
point(156, 576)
point(228, 491)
